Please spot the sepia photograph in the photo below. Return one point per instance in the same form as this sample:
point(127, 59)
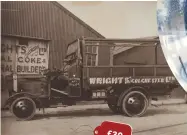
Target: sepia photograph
point(69, 66)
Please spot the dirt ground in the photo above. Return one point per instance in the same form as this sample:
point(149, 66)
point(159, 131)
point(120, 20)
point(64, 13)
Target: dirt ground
point(81, 120)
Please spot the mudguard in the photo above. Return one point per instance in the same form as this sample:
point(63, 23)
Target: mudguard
point(17, 95)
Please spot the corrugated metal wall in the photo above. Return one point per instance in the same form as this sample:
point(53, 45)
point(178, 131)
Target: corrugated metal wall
point(48, 20)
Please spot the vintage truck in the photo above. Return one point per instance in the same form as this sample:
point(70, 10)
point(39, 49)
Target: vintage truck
point(90, 74)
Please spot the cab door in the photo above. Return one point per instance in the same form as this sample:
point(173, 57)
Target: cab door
point(74, 71)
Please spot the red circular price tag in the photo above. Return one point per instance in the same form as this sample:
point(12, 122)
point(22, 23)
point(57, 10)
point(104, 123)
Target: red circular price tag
point(113, 128)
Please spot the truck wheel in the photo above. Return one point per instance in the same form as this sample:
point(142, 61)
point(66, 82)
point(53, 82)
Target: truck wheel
point(135, 104)
point(114, 108)
point(23, 108)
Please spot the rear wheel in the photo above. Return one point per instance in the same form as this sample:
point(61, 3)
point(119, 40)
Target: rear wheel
point(23, 108)
point(135, 104)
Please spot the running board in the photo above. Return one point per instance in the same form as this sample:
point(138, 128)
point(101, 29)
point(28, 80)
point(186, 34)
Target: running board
point(62, 92)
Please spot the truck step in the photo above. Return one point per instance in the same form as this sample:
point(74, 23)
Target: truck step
point(59, 91)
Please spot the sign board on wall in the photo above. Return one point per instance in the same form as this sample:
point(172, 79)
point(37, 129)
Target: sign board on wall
point(31, 58)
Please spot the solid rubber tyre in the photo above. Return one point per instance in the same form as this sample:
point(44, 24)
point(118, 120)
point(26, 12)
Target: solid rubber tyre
point(18, 115)
point(126, 98)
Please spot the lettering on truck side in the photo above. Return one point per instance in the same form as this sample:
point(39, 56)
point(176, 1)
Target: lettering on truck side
point(130, 80)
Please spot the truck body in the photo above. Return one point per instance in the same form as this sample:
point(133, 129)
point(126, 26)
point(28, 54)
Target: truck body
point(89, 73)
point(101, 73)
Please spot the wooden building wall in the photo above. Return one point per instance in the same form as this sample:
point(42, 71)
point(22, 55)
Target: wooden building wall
point(47, 20)
point(43, 20)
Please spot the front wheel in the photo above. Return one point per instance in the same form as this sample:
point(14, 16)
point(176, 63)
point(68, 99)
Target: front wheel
point(135, 104)
point(23, 108)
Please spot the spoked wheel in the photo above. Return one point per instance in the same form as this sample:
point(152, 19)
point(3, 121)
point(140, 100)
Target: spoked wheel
point(23, 108)
point(135, 104)
point(114, 108)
